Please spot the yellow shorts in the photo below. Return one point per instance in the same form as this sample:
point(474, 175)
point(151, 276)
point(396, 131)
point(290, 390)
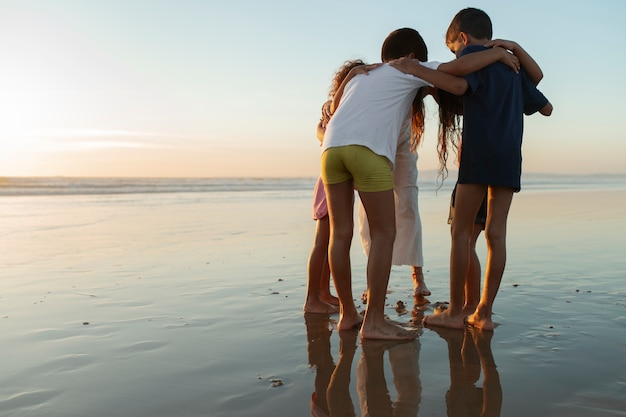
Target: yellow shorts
point(371, 172)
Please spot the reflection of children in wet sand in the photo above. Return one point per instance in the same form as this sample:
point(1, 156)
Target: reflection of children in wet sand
point(332, 382)
point(338, 393)
point(469, 352)
point(372, 386)
point(318, 333)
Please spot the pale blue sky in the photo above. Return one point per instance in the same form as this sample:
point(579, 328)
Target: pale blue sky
point(201, 88)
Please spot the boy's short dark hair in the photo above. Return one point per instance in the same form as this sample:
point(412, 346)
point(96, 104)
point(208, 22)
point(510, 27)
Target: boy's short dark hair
point(402, 42)
point(472, 21)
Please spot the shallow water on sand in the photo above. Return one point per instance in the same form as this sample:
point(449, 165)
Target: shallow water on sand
point(189, 304)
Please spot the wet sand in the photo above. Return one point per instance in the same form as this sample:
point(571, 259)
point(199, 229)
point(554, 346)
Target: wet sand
point(191, 305)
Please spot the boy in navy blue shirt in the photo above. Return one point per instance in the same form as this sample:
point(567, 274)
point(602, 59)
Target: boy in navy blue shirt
point(494, 104)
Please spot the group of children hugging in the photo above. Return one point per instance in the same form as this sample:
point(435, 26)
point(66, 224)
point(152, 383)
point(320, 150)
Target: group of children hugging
point(369, 131)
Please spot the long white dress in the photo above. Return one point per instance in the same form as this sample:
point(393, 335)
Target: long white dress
point(407, 248)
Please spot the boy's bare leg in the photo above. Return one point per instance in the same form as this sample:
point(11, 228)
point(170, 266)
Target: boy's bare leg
point(498, 205)
point(472, 280)
point(319, 276)
point(468, 200)
point(419, 285)
point(379, 207)
point(340, 208)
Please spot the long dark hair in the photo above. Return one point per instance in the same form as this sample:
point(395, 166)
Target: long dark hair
point(450, 129)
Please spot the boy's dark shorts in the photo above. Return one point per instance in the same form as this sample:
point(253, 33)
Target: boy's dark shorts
point(481, 217)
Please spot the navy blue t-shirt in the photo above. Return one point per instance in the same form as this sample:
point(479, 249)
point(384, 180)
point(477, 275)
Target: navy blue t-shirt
point(493, 123)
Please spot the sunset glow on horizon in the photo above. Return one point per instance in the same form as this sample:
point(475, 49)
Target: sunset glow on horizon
point(198, 89)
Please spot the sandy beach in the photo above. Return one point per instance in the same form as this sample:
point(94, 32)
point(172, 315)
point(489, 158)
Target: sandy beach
point(190, 304)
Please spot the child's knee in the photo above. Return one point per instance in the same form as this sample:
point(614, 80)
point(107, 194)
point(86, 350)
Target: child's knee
point(495, 236)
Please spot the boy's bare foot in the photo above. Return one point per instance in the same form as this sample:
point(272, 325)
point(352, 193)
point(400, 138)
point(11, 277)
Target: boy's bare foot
point(419, 285)
point(445, 319)
point(482, 323)
point(387, 331)
point(329, 298)
point(319, 307)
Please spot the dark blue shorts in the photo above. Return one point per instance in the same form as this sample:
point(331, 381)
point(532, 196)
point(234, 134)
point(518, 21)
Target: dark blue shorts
point(481, 217)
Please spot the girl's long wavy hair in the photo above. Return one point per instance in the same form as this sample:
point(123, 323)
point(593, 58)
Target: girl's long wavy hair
point(338, 78)
point(450, 129)
point(341, 73)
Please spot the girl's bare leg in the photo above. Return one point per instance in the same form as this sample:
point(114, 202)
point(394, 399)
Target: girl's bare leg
point(319, 275)
point(325, 294)
point(379, 207)
point(498, 205)
point(468, 200)
point(419, 285)
point(340, 208)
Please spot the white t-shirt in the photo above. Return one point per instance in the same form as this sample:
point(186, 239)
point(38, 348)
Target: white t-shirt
point(372, 110)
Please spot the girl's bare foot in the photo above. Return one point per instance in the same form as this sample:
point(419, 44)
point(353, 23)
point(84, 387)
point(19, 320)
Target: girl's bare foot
point(387, 331)
point(419, 285)
point(319, 307)
point(445, 319)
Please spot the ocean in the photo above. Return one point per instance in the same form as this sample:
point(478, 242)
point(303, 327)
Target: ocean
point(428, 181)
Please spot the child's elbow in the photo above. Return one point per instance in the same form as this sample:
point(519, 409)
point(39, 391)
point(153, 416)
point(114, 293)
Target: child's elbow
point(546, 110)
point(459, 87)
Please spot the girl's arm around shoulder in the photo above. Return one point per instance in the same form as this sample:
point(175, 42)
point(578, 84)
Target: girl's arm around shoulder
point(478, 60)
point(450, 83)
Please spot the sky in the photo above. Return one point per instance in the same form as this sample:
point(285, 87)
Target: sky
point(191, 88)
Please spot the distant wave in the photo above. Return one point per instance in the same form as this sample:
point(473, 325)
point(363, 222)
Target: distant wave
point(33, 186)
point(29, 186)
